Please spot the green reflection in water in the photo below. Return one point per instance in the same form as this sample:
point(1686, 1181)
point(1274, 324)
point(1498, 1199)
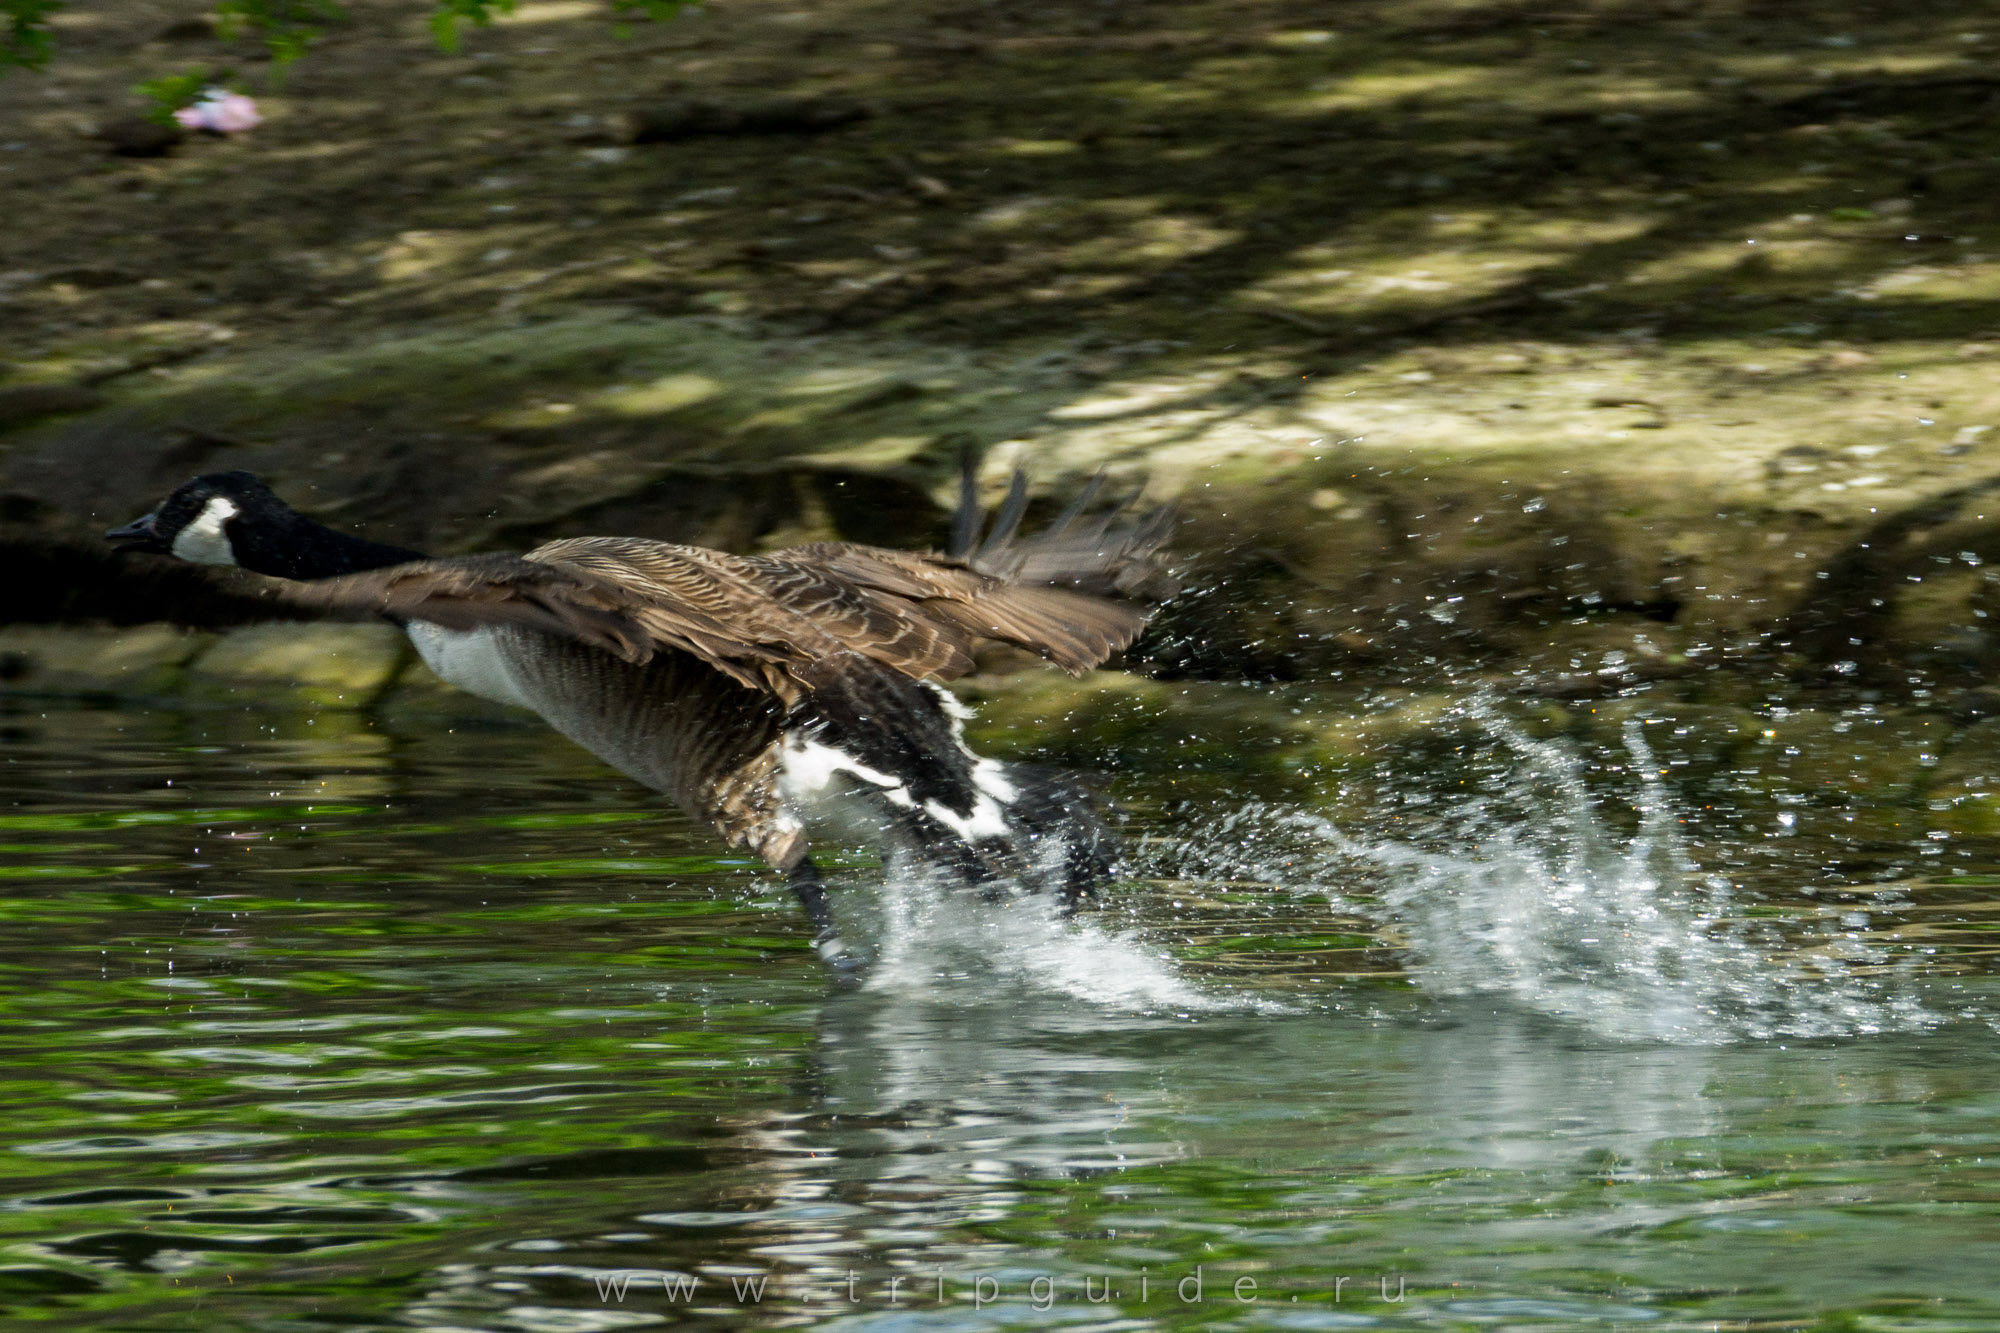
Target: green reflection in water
point(494, 1034)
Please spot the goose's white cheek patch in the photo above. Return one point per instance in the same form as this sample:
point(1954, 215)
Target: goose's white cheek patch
point(203, 542)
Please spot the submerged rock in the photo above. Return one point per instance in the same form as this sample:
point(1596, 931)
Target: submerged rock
point(47, 659)
point(346, 666)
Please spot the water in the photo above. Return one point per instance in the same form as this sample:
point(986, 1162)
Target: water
point(1532, 895)
point(424, 1021)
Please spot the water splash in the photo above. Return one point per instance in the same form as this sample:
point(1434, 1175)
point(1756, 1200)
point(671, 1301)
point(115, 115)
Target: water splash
point(1530, 895)
point(935, 938)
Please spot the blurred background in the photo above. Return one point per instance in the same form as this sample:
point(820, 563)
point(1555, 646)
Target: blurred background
point(1499, 332)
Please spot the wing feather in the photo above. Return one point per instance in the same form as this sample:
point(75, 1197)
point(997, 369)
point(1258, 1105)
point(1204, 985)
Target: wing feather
point(1076, 631)
point(766, 621)
point(466, 594)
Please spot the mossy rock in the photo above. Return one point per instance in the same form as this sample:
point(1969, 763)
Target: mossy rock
point(1679, 734)
point(1974, 811)
point(1875, 757)
point(1964, 793)
point(147, 660)
point(1971, 758)
point(683, 429)
point(335, 666)
point(1111, 720)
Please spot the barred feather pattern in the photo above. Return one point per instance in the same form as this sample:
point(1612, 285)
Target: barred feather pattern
point(672, 723)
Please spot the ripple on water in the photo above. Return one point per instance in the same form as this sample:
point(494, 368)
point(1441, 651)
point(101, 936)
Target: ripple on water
point(1304, 1049)
point(121, 1144)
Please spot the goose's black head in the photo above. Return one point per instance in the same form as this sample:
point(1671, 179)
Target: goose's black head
point(233, 518)
point(202, 519)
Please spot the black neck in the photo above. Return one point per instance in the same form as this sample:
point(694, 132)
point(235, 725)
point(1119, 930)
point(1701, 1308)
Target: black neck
point(298, 548)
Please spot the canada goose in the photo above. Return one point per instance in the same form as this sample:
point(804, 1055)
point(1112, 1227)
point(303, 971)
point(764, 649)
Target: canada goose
point(743, 687)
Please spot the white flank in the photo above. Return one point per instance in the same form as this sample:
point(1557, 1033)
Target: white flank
point(469, 659)
point(991, 777)
point(809, 766)
point(987, 820)
point(203, 542)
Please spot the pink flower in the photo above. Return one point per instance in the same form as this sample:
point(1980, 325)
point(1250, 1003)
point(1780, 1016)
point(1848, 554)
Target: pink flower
point(221, 112)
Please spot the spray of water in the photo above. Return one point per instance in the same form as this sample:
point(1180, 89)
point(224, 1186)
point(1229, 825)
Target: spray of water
point(1529, 896)
point(936, 939)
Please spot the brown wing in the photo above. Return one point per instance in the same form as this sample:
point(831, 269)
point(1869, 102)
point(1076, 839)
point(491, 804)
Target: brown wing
point(1118, 552)
point(1059, 592)
point(767, 619)
point(1073, 630)
point(763, 621)
point(693, 599)
point(786, 611)
point(584, 599)
point(468, 594)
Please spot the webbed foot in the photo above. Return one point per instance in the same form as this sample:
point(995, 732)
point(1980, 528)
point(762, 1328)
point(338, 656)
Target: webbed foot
point(848, 968)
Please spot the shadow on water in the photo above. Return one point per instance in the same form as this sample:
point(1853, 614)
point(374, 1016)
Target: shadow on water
point(1845, 624)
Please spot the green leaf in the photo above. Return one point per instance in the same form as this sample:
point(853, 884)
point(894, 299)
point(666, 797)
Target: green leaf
point(450, 13)
point(24, 32)
point(657, 10)
point(287, 27)
point(170, 92)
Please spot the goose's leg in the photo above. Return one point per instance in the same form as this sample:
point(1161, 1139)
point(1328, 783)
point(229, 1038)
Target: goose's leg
point(810, 889)
point(1084, 869)
point(966, 862)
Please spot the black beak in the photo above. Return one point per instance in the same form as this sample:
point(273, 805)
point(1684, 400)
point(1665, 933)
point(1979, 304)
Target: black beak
point(139, 535)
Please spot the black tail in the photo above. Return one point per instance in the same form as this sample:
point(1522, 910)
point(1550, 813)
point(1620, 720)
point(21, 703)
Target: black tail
point(943, 805)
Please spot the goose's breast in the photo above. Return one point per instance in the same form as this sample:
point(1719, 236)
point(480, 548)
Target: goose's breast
point(473, 660)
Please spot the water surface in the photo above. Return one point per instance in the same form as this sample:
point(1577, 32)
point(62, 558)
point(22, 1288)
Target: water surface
point(423, 1020)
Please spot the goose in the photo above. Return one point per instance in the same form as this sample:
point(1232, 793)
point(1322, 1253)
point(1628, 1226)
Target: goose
point(753, 691)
